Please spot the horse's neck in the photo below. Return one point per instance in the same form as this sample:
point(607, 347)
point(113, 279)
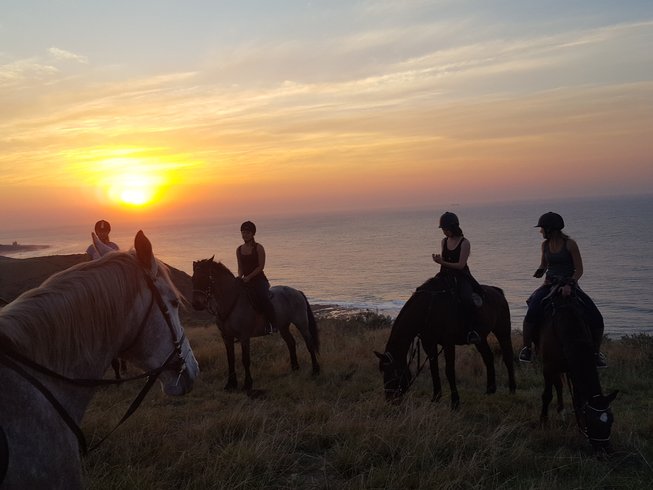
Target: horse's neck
point(227, 289)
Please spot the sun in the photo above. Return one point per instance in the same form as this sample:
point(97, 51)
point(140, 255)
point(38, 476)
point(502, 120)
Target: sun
point(133, 189)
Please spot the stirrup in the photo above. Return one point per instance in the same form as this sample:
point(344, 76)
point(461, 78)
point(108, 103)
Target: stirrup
point(600, 360)
point(473, 337)
point(526, 355)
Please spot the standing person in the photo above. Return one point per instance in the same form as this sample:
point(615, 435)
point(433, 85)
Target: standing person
point(251, 262)
point(102, 230)
point(560, 263)
point(453, 262)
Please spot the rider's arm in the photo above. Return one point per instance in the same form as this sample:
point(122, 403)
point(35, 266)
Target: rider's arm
point(543, 265)
point(240, 265)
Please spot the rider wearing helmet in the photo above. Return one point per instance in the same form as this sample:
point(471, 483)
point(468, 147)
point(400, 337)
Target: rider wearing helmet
point(251, 262)
point(453, 262)
point(102, 230)
point(560, 263)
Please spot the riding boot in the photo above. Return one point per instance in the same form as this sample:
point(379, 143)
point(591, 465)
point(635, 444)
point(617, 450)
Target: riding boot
point(526, 354)
point(271, 317)
point(471, 319)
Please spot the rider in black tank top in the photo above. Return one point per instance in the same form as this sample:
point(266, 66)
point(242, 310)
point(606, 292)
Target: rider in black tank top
point(453, 263)
point(250, 269)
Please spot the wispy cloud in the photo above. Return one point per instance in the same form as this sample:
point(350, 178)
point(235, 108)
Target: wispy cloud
point(62, 54)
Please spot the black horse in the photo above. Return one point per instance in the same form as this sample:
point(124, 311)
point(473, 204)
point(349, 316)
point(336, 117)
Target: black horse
point(215, 288)
point(566, 346)
point(433, 313)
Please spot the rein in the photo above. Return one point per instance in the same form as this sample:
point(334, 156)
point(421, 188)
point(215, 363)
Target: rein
point(416, 344)
point(13, 360)
point(209, 295)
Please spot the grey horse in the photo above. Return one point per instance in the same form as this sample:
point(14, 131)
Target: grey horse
point(56, 343)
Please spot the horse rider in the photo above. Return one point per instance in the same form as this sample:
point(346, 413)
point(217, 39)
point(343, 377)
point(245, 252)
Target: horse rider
point(251, 262)
point(560, 264)
point(453, 265)
point(102, 230)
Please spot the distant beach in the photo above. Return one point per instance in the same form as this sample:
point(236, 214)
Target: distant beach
point(19, 247)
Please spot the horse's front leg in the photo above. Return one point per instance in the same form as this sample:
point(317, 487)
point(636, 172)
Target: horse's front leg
point(244, 344)
point(450, 370)
point(232, 382)
point(435, 372)
point(547, 396)
point(488, 359)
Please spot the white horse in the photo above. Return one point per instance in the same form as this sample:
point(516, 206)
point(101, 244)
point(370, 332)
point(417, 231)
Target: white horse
point(58, 339)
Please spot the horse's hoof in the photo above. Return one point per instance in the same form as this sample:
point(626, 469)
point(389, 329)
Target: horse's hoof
point(491, 390)
point(295, 367)
point(436, 397)
point(316, 371)
point(455, 404)
point(230, 387)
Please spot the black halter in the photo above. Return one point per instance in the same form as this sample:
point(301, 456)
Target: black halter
point(16, 361)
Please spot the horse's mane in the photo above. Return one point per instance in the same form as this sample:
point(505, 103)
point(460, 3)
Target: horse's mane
point(218, 266)
point(76, 311)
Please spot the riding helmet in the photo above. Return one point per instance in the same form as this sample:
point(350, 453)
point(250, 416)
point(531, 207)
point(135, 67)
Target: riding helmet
point(248, 226)
point(449, 221)
point(550, 221)
point(102, 226)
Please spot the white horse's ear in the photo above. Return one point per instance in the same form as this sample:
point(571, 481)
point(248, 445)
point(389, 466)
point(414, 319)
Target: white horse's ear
point(101, 247)
point(144, 253)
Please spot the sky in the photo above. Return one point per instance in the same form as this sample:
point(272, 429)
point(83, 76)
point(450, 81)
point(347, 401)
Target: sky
point(162, 109)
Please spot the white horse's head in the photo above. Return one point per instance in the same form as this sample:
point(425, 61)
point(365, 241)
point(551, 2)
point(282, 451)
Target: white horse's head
point(161, 341)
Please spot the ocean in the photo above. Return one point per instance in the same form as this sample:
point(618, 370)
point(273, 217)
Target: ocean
point(375, 260)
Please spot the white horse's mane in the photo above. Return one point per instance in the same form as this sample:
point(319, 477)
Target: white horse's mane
point(76, 311)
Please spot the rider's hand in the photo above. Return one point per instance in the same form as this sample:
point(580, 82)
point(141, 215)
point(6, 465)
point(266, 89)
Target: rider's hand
point(566, 290)
point(437, 258)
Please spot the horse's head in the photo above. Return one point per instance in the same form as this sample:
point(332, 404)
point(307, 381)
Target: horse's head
point(161, 345)
point(396, 376)
point(598, 420)
point(202, 283)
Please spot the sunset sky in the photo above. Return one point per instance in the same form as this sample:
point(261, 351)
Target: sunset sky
point(187, 109)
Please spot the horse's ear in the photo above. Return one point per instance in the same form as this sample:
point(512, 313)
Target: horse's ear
point(211, 259)
point(101, 247)
point(379, 355)
point(144, 252)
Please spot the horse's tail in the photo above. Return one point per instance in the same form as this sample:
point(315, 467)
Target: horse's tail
point(312, 325)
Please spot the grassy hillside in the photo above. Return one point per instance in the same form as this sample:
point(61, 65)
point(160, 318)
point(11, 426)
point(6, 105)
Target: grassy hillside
point(336, 432)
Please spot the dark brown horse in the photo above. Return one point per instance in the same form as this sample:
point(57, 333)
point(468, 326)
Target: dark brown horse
point(566, 346)
point(433, 314)
point(215, 288)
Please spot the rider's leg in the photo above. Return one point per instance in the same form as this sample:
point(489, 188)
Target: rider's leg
point(470, 311)
point(596, 326)
point(530, 320)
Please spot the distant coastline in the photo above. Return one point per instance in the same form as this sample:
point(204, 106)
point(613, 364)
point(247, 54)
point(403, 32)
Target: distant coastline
point(18, 247)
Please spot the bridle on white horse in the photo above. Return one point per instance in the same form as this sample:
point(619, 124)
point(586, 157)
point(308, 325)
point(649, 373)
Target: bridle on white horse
point(16, 361)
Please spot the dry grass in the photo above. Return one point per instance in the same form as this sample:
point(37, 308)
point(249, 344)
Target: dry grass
point(336, 432)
